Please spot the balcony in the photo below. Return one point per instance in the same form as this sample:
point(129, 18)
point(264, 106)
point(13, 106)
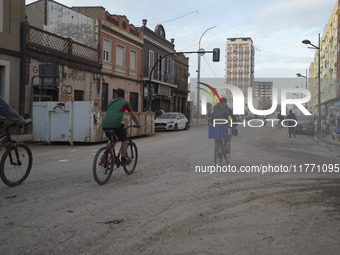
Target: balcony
point(48, 46)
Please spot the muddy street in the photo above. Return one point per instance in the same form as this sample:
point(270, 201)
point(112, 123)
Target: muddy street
point(168, 207)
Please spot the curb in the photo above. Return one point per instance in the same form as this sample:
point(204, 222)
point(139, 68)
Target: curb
point(328, 140)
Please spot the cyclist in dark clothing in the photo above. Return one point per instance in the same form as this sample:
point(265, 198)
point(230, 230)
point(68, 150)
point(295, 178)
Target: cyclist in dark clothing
point(224, 112)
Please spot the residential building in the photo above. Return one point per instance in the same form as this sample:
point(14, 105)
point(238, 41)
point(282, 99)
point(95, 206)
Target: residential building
point(61, 68)
point(337, 83)
point(12, 68)
point(62, 20)
point(181, 80)
point(122, 47)
point(240, 62)
point(262, 94)
point(313, 88)
point(329, 67)
point(158, 69)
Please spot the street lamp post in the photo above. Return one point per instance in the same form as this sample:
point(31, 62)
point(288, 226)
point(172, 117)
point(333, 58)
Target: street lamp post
point(318, 130)
point(201, 52)
point(300, 75)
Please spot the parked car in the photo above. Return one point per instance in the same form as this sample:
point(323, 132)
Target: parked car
point(305, 125)
point(171, 121)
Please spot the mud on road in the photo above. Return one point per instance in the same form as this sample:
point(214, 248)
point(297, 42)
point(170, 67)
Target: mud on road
point(165, 207)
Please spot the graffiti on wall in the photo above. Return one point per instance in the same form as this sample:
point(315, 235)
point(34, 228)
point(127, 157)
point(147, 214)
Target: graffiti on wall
point(66, 90)
point(66, 93)
point(74, 75)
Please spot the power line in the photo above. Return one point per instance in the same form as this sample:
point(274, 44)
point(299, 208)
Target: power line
point(176, 18)
point(218, 79)
point(198, 12)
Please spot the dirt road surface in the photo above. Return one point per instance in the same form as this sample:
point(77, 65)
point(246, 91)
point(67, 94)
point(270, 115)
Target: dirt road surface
point(168, 207)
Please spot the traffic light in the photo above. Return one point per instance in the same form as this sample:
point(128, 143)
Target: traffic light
point(216, 55)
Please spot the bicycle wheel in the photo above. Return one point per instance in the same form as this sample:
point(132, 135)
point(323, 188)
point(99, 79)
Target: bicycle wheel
point(131, 153)
point(16, 164)
point(227, 152)
point(103, 165)
point(218, 152)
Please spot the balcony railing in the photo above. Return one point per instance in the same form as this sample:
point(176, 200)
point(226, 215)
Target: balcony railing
point(46, 42)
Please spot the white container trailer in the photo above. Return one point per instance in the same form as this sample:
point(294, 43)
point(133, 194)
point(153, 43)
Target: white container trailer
point(67, 122)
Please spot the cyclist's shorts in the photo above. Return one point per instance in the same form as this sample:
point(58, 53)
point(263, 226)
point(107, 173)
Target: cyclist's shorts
point(120, 133)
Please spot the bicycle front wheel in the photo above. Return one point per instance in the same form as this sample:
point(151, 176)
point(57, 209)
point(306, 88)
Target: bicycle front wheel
point(103, 165)
point(131, 153)
point(227, 152)
point(218, 152)
point(16, 164)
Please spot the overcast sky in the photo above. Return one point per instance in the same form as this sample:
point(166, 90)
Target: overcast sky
point(277, 28)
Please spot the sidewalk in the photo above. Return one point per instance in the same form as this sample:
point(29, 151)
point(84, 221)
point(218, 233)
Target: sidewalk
point(328, 139)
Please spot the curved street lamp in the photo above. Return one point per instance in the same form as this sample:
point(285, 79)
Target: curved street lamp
point(318, 130)
point(199, 73)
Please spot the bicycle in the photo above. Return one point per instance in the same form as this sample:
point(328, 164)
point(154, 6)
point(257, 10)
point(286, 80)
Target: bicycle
point(222, 146)
point(222, 151)
point(16, 162)
point(107, 158)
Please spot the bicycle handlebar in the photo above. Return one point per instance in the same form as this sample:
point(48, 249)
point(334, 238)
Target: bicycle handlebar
point(135, 126)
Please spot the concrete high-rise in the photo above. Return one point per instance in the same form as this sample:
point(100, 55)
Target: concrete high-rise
point(240, 62)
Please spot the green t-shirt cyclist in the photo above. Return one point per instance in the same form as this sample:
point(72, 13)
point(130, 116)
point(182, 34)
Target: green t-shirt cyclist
point(113, 120)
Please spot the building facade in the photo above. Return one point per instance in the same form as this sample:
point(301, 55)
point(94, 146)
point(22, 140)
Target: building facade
point(61, 68)
point(62, 20)
point(12, 69)
point(180, 93)
point(262, 94)
point(158, 92)
point(240, 62)
point(121, 45)
point(329, 69)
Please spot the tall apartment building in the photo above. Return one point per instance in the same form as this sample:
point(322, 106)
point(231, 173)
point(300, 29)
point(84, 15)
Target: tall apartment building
point(240, 62)
point(329, 69)
point(262, 91)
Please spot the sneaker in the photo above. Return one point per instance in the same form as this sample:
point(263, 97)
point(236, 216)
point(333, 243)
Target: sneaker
point(126, 161)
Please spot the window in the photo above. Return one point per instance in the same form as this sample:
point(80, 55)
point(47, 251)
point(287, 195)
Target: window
point(120, 55)
point(78, 95)
point(134, 101)
point(151, 60)
point(106, 50)
point(160, 72)
point(169, 70)
point(2, 76)
point(105, 96)
point(51, 71)
point(133, 60)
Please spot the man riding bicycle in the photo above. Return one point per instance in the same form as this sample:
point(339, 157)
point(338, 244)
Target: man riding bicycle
point(113, 121)
point(224, 112)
